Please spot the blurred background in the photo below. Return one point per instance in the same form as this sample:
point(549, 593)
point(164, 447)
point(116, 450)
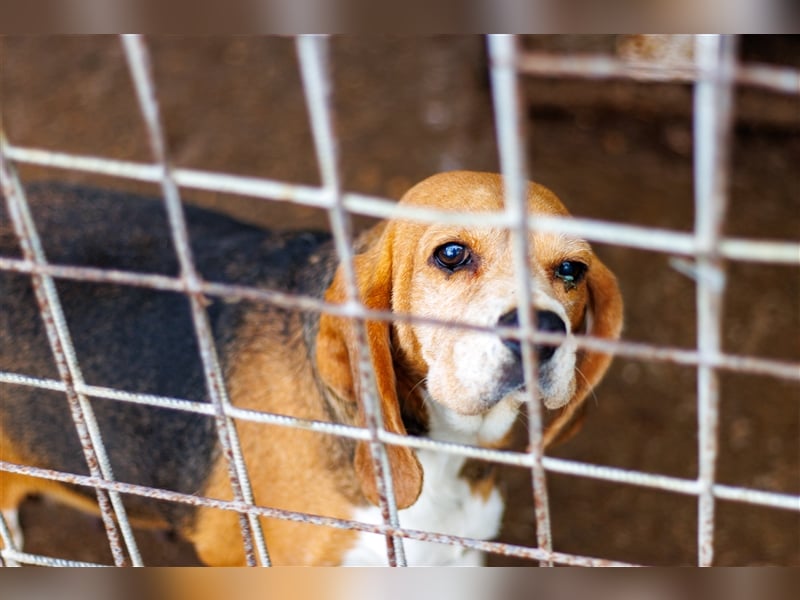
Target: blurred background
point(407, 107)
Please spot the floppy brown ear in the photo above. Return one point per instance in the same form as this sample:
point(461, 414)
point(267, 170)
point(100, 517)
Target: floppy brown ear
point(604, 320)
point(337, 363)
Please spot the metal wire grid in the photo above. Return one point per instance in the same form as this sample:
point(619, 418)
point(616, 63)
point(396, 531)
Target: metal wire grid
point(714, 74)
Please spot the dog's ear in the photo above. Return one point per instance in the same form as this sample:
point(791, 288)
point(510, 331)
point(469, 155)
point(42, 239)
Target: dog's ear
point(337, 362)
point(603, 320)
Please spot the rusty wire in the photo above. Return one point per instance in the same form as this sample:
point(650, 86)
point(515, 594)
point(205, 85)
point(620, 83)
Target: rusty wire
point(139, 63)
point(567, 467)
point(637, 350)
point(713, 78)
point(9, 543)
point(509, 124)
point(275, 513)
point(112, 510)
point(312, 52)
point(619, 234)
point(670, 484)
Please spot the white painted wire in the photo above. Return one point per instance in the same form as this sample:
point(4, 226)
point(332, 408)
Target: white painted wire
point(713, 118)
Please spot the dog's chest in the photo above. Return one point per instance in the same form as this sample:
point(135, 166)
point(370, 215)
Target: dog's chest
point(446, 505)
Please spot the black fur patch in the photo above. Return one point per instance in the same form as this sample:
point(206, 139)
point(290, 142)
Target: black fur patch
point(131, 338)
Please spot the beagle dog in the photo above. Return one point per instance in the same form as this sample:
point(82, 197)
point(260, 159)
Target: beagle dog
point(460, 385)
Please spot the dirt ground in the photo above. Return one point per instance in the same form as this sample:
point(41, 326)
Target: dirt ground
point(409, 107)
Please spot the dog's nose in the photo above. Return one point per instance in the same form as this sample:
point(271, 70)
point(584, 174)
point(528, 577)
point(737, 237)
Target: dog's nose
point(546, 321)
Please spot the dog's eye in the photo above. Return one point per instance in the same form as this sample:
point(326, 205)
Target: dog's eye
point(571, 272)
point(452, 256)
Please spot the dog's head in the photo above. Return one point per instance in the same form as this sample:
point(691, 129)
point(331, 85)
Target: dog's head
point(467, 274)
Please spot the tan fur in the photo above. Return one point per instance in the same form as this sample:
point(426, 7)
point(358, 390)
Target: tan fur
point(481, 477)
point(14, 488)
point(285, 464)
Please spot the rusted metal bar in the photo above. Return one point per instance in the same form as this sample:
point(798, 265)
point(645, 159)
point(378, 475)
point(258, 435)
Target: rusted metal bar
point(690, 487)
point(274, 513)
point(636, 350)
point(9, 544)
point(646, 238)
point(312, 53)
point(713, 114)
point(508, 121)
point(675, 485)
point(66, 363)
point(521, 459)
point(686, 487)
point(37, 560)
point(613, 474)
point(138, 61)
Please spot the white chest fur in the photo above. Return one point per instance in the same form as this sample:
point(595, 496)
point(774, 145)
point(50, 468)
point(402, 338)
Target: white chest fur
point(446, 504)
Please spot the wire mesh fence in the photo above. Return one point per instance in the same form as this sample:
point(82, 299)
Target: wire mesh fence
point(714, 74)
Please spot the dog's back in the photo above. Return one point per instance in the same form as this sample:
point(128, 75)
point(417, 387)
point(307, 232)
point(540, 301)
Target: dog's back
point(129, 338)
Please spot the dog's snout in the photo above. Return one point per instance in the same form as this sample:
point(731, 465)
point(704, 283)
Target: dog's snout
point(546, 321)
point(549, 322)
point(511, 319)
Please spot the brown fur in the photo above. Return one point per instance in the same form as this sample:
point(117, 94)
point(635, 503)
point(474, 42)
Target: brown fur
point(279, 380)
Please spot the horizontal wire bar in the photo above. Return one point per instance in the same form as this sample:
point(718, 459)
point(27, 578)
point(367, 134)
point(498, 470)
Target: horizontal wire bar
point(256, 187)
point(520, 459)
point(38, 560)
point(665, 483)
point(263, 511)
point(636, 350)
point(634, 236)
point(784, 80)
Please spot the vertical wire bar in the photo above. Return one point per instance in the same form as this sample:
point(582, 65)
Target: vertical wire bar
point(252, 534)
point(109, 503)
point(9, 543)
point(312, 54)
point(713, 113)
point(509, 125)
